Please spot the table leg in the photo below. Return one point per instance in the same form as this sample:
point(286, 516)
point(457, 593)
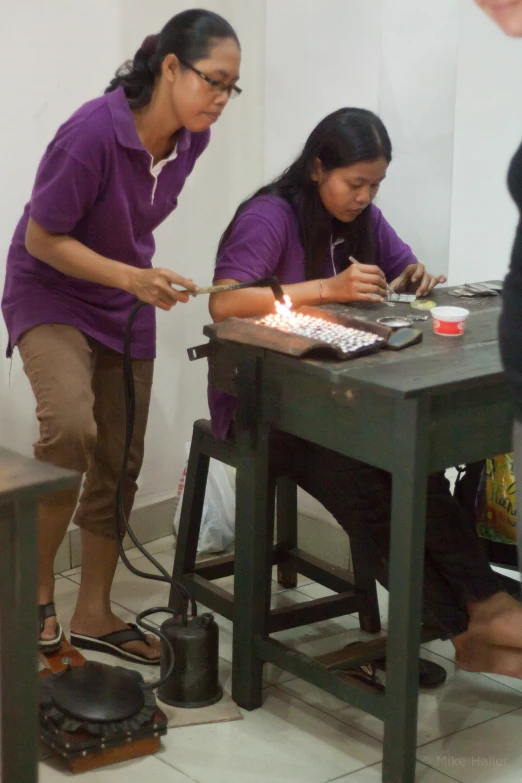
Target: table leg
point(18, 649)
point(286, 528)
point(255, 493)
point(405, 582)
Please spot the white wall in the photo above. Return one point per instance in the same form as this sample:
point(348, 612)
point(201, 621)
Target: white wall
point(318, 59)
point(418, 59)
point(488, 129)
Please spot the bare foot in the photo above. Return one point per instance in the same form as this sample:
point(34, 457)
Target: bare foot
point(472, 655)
point(50, 629)
point(497, 621)
point(46, 596)
point(100, 626)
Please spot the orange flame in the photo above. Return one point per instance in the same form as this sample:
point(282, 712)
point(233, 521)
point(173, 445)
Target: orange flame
point(284, 309)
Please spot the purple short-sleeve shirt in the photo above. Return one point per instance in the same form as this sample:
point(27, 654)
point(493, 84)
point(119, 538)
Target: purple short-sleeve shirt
point(265, 241)
point(96, 183)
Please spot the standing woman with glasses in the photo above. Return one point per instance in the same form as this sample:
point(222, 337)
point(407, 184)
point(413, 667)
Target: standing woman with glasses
point(80, 258)
point(508, 15)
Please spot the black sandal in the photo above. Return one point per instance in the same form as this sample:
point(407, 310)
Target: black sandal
point(48, 645)
point(366, 673)
point(431, 675)
point(111, 644)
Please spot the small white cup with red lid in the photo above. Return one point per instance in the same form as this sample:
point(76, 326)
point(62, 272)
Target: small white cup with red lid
point(449, 321)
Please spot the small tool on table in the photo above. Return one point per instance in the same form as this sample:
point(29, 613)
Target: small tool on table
point(390, 290)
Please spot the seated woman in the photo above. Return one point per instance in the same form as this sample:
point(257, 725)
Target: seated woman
point(304, 227)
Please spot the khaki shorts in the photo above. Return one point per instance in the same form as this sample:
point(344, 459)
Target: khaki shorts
point(80, 406)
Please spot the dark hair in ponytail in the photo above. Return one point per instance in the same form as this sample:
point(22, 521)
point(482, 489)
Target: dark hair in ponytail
point(189, 35)
point(346, 137)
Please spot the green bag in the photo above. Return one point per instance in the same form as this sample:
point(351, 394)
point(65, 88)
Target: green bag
point(497, 501)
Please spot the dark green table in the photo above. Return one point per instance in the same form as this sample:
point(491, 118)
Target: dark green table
point(441, 403)
point(22, 482)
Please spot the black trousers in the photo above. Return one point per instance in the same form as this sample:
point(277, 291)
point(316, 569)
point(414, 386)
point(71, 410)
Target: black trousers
point(456, 570)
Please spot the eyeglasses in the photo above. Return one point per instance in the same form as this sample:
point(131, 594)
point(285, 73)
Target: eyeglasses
point(231, 89)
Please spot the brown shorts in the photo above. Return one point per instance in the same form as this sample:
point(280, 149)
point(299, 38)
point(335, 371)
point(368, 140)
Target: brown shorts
point(80, 405)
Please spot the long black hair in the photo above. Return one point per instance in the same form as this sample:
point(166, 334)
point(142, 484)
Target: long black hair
point(190, 35)
point(346, 137)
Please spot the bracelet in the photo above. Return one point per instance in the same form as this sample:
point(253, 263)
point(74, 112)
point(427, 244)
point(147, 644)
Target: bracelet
point(320, 291)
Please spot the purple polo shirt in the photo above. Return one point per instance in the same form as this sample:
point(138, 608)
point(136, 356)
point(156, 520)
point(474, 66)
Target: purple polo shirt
point(96, 183)
point(265, 241)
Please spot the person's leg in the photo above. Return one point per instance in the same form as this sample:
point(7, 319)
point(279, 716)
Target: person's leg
point(359, 497)
point(96, 511)
point(461, 592)
point(493, 634)
point(54, 515)
point(58, 362)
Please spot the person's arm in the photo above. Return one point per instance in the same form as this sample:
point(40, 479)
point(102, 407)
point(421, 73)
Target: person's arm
point(357, 283)
point(75, 259)
point(67, 186)
point(255, 249)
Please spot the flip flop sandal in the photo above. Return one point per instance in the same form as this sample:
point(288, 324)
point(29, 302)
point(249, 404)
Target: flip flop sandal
point(431, 675)
point(48, 645)
point(111, 644)
point(366, 672)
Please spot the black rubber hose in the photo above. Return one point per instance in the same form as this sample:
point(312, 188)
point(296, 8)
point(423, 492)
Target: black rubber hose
point(150, 686)
point(120, 517)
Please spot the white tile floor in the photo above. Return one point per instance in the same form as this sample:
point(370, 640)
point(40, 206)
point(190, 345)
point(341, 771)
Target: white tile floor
point(469, 730)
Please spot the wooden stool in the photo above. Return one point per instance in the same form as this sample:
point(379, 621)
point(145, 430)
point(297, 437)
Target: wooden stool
point(359, 595)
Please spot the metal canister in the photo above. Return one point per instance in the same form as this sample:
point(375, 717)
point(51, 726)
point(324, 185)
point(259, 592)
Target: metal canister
point(194, 681)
